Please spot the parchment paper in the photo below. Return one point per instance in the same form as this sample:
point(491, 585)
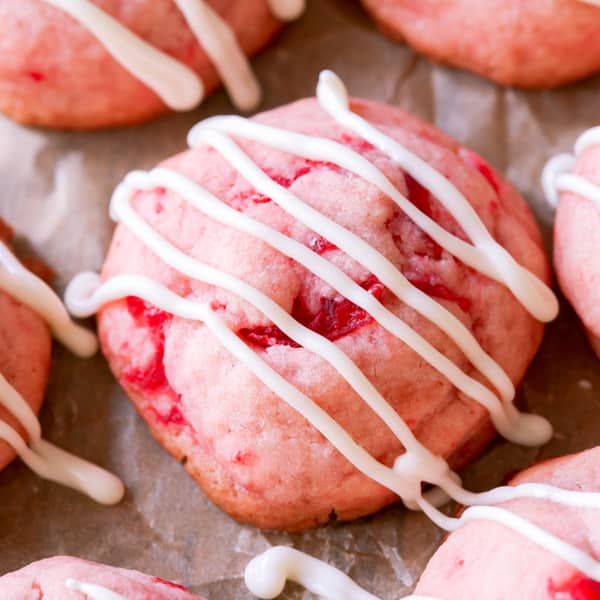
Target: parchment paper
point(55, 189)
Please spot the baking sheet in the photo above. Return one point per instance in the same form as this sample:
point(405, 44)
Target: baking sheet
point(55, 191)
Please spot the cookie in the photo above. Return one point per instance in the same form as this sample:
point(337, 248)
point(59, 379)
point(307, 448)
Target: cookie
point(249, 279)
point(532, 44)
point(485, 561)
point(125, 61)
point(65, 578)
point(25, 353)
point(571, 183)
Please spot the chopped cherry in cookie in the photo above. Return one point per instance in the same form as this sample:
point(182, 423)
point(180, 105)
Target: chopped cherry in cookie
point(578, 588)
point(151, 377)
point(335, 318)
point(168, 583)
point(482, 166)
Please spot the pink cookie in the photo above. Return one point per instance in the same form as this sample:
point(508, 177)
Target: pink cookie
point(77, 84)
point(48, 579)
point(577, 247)
point(25, 347)
point(487, 561)
point(530, 43)
point(249, 451)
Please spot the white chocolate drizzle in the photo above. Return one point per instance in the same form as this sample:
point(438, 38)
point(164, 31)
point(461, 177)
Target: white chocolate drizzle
point(178, 86)
point(30, 290)
point(557, 175)
point(87, 294)
point(267, 573)
point(42, 457)
point(219, 42)
point(287, 10)
point(92, 591)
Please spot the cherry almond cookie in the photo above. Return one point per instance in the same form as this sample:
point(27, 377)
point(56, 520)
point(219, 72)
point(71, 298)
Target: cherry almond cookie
point(530, 43)
point(490, 561)
point(25, 349)
point(301, 296)
point(572, 186)
point(67, 578)
point(124, 61)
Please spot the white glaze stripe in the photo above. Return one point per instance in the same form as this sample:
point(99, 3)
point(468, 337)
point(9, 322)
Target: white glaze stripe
point(553, 170)
point(176, 84)
point(49, 461)
point(92, 591)
point(576, 184)
point(287, 10)
point(267, 573)
point(540, 491)
point(86, 295)
point(557, 176)
point(30, 290)
point(589, 138)
point(533, 294)
point(221, 45)
point(506, 418)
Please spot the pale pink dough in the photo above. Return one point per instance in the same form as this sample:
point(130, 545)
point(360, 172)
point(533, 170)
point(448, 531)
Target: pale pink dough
point(529, 43)
point(487, 561)
point(251, 453)
point(25, 346)
point(577, 248)
point(53, 72)
point(45, 579)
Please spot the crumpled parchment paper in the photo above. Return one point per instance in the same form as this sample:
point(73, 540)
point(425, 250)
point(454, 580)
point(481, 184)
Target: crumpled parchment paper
point(55, 189)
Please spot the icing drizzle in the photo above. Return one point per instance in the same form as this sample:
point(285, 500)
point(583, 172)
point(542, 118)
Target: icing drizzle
point(86, 294)
point(28, 289)
point(178, 86)
point(45, 459)
point(92, 591)
point(557, 175)
point(266, 575)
